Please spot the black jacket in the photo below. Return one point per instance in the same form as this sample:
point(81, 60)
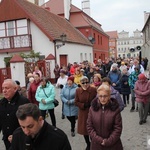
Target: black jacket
point(47, 139)
point(8, 119)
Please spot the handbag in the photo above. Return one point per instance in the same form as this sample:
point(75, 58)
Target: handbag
point(56, 102)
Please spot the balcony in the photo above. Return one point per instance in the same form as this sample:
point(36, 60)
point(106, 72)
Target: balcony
point(15, 43)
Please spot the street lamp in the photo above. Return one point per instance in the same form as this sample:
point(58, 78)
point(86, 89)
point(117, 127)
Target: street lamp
point(58, 45)
point(63, 40)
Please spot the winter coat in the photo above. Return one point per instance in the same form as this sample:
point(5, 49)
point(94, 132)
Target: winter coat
point(115, 77)
point(83, 99)
point(48, 94)
point(125, 88)
point(133, 77)
point(31, 92)
point(105, 123)
point(68, 98)
point(77, 78)
point(142, 91)
point(47, 139)
point(8, 119)
point(116, 95)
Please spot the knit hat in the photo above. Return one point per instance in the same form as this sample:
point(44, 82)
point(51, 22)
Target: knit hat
point(62, 71)
point(114, 65)
point(142, 76)
point(71, 78)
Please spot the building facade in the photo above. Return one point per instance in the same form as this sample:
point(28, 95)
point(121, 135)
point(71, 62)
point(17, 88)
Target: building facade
point(125, 43)
point(146, 36)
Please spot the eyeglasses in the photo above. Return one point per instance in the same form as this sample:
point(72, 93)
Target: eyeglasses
point(84, 82)
point(103, 96)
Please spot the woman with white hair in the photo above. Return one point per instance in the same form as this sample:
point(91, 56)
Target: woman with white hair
point(115, 75)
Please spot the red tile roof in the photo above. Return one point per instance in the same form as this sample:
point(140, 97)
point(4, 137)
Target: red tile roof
point(112, 34)
point(77, 17)
point(16, 58)
point(50, 57)
point(51, 25)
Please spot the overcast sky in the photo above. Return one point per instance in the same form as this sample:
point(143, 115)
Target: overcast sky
point(127, 15)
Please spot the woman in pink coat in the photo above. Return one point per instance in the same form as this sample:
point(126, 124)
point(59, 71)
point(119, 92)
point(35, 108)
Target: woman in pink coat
point(142, 91)
point(104, 123)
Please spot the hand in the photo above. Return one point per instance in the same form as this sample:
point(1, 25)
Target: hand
point(125, 83)
point(43, 101)
point(10, 138)
point(68, 102)
point(103, 143)
point(113, 84)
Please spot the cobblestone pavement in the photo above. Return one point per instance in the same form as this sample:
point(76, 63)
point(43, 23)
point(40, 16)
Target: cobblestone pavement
point(134, 136)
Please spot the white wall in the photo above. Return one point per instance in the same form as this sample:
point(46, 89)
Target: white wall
point(74, 52)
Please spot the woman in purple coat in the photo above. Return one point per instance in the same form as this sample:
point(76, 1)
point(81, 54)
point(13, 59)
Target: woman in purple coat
point(104, 123)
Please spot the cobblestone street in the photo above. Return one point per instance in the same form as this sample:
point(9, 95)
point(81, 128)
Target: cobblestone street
point(134, 136)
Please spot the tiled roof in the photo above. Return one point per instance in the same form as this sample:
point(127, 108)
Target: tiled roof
point(112, 34)
point(16, 58)
point(51, 25)
point(78, 18)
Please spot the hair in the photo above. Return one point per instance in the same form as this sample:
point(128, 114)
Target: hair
point(37, 74)
point(45, 79)
point(84, 78)
point(104, 88)
point(106, 79)
point(27, 110)
point(12, 81)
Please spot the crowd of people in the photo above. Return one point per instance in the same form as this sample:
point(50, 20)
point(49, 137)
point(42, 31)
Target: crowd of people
point(92, 94)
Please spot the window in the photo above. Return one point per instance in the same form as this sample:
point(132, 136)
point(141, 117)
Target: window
point(2, 29)
point(12, 28)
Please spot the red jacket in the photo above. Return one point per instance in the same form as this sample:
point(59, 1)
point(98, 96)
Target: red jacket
point(32, 91)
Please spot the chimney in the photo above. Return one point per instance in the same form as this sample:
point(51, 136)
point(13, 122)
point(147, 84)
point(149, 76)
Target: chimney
point(67, 6)
point(146, 15)
point(86, 6)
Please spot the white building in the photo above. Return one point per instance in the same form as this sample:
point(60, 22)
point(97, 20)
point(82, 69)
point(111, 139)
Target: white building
point(146, 36)
point(126, 42)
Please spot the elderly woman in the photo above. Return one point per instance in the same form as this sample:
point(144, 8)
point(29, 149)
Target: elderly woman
point(68, 98)
point(142, 91)
point(83, 98)
point(96, 80)
point(104, 123)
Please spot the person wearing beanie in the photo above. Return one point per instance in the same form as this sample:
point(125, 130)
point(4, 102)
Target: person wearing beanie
point(142, 91)
point(68, 99)
point(62, 80)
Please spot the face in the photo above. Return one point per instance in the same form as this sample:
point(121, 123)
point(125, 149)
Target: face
point(36, 78)
point(69, 82)
point(30, 126)
point(96, 79)
point(9, 89)
point(85, 84)
point(103, 97)
point(43, 83)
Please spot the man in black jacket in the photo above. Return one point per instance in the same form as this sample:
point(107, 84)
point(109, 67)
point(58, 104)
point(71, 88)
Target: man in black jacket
point(35, 133)
point(8, 107)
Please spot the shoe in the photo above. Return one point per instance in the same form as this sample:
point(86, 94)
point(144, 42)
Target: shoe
point(132, 109)
point(72, 134)
point(141, 122)
point(144, 121)
point(62, 117)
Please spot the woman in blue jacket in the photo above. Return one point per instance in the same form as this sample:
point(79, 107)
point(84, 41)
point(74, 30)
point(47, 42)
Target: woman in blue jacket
point(45, 95)
point(68, 98)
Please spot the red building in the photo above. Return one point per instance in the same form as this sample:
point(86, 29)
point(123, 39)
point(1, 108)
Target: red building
point(86, 25)
point(113, 36)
